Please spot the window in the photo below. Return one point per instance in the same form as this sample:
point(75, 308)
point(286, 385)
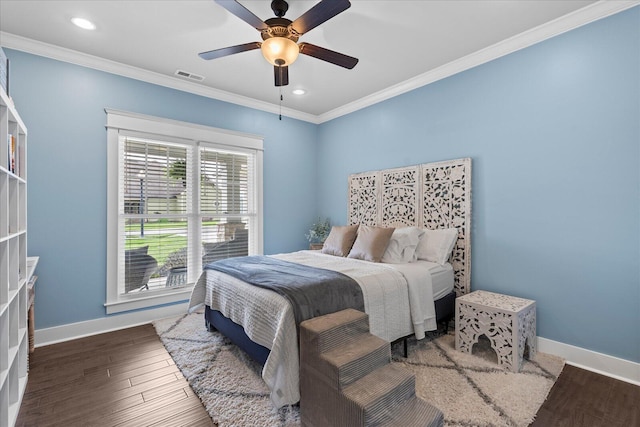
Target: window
point(179, 196)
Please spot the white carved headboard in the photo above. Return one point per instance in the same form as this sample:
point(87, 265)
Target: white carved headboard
point(431, 195)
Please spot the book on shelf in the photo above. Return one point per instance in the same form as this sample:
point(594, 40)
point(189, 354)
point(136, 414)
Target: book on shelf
point(11, 160)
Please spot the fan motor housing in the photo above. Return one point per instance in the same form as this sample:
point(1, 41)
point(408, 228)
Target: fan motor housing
point(279, 27)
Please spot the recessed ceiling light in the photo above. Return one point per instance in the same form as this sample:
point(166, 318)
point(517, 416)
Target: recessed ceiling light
point(299, 91)
point(85, 24)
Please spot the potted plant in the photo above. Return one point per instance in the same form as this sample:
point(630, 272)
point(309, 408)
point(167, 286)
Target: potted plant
point(318, 232)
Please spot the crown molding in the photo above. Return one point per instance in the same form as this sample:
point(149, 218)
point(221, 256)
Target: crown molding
point(12, 41)
point(573, 20)
point(586, 15)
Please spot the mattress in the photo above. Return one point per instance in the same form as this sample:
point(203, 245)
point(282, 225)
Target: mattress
point(441, 278)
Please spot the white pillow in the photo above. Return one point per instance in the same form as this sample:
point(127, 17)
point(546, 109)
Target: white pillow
point(402, 245)
point(436, 245)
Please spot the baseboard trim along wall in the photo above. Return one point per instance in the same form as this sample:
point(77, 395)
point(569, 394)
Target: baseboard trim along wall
point(624, 370)
point(87, 328)
point(611, 366)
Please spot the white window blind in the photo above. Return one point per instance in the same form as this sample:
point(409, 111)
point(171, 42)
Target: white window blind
point(177, 201)
point(227, 203)
point(155, 206)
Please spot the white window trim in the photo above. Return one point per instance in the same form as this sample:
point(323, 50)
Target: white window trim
point(121, 121)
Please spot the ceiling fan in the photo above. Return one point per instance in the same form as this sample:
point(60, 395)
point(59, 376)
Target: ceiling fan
point(280, 36)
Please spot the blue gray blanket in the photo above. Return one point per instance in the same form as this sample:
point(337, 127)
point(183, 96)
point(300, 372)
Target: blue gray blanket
point(311, 291)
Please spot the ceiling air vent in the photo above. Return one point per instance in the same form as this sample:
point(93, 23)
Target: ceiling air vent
point(188, 75)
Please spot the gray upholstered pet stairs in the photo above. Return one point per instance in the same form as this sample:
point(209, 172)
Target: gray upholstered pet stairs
point(347, 379)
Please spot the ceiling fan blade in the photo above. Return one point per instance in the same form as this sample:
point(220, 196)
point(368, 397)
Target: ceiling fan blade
point(331, 56)
point(225, 51)
point(281, 74)
point(243, 13)
point(318, 14)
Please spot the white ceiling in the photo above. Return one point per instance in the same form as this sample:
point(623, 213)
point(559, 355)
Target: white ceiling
point(400, 44)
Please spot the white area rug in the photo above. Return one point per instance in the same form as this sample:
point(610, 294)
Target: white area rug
point(471, 390)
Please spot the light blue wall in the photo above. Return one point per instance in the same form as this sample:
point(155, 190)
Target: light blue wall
point(63, 108)
point(554, 134)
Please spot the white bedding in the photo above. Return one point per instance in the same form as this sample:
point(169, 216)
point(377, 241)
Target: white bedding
point(441, 278)
point(398, 299)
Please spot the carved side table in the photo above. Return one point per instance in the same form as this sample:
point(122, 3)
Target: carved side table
point(508, 322)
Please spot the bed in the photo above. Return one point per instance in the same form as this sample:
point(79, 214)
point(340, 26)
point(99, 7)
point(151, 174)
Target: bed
point(401, 299)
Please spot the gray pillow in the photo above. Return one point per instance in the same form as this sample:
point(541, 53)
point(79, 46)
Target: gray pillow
point(340, 240)
point(371, 243)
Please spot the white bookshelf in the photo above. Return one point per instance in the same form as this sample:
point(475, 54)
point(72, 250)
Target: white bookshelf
point(15, 272)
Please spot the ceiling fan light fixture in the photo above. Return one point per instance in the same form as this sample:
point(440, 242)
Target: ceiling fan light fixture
point(280, 51)
point(280, 36)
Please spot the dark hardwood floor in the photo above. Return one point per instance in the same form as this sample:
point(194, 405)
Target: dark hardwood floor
point(584, 398)
point(123, 378)
point(127, 378)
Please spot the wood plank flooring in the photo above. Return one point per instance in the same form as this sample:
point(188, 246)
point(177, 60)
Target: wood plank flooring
point(127, 378)
point(584, 398)
point(122, 378)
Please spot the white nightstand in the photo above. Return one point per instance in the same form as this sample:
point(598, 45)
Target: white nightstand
point(508, 322)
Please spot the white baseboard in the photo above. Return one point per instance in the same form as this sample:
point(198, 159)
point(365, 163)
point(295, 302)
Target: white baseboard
point(611, 366)
point(73, 331)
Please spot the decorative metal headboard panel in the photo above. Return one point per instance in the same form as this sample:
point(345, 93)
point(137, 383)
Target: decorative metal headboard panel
point(431, 195)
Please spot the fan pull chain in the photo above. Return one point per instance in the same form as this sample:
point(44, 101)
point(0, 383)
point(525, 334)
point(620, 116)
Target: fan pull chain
point(280, 115)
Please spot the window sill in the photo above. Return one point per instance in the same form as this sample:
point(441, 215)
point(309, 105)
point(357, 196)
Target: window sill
point(149, 301)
